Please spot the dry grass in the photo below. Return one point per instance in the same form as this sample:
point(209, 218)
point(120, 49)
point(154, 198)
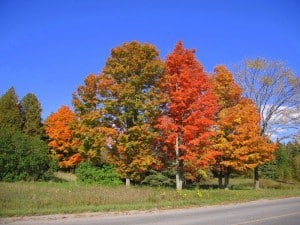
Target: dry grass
point(22, 198)
point(65, 176)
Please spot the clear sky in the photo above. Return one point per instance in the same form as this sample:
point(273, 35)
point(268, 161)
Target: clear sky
point(48, 47)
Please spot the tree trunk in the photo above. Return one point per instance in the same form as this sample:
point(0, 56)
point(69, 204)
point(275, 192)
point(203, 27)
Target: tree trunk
point(179, 181)
point(256, 178)
point(127, 181)
point(178, 166)
point(220, 179)
point(226, 180)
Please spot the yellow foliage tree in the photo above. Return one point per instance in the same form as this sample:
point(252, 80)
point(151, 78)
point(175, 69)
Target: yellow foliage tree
point(237, 139)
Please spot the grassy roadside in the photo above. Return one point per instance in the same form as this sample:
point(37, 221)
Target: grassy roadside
point(39, 198)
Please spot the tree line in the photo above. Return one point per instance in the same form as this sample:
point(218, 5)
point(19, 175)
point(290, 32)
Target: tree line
point(23, 149)
point(152, 118)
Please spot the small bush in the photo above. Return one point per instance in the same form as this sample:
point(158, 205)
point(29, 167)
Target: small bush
point(90, 174)
point(158, 179)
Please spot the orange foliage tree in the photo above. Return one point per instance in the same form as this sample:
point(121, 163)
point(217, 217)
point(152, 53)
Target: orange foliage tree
point(117, 108)
point(188, 114)
point(61, 139)
point(238, 141)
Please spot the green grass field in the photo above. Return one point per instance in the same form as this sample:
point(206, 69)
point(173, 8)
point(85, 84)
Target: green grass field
point(39, 198)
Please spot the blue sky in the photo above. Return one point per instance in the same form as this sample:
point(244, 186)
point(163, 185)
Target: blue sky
point(49, 47)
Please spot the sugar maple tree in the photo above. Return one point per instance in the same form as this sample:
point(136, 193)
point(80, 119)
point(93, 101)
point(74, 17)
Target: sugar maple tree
point(228, 93)
point(132, 156)
point(117, 107)
point(132, 104)
point(188, 114)
point(238, 141)
point(61, 138)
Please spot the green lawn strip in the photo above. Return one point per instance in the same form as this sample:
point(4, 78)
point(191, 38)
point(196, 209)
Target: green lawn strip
point(40, 198)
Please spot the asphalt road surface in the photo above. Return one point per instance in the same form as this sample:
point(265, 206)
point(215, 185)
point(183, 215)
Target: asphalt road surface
point(267, 212)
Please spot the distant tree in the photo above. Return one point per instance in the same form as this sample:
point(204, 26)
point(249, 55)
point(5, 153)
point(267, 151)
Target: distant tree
point(293, 149)
point(10, 117)
point(186, 123)
point(286, 164)
point(62, 142)
point(276, 92)
point(31, 115)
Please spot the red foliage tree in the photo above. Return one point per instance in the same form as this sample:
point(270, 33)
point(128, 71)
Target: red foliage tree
point(188, 114)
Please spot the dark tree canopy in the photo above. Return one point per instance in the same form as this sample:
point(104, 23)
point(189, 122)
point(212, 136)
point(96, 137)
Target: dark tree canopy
point(10, 117)
point(31, 115)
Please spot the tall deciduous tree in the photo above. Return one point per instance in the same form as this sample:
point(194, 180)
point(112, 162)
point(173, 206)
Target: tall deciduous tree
point(238, 139)
point(276, 92)
point(61, 137)
point(134, 70)
point(121, 102)
point(228, 94)
point(31, 115)
point(10, 117)
point(189, 112)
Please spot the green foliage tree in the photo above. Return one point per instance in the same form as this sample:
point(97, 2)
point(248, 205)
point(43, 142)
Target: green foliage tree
point(23, 157)
point(296, 167)
point(286, 164)
point(10, 117)
point(283, 164)
point(294, 150)
point(31, 115)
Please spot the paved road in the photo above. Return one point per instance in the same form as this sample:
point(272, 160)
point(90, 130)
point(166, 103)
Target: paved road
point(267, 212)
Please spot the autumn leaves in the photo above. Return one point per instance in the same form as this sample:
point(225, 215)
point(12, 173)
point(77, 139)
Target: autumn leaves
point(141, 113)
point(237, 139)
point(188, 113)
